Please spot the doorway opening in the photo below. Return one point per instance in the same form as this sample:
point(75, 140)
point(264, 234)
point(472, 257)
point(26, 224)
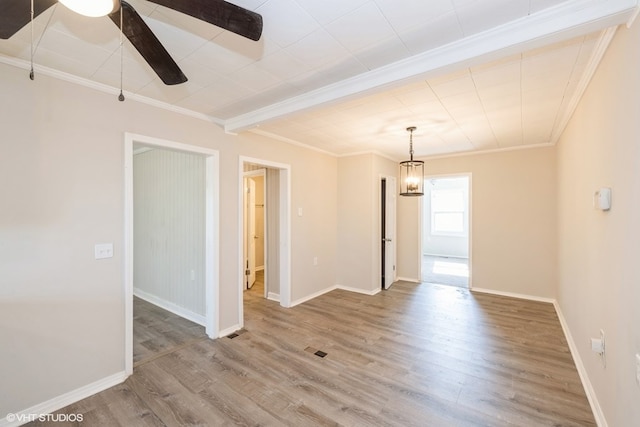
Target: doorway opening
point(265, 233)
point(188, 238)
point(254, 225)
point(446, 230)
point(388, 191)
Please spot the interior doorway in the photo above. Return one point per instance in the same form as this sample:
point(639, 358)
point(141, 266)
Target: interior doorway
point(254, 226)
point(446, 230)
point(388, 243)
point(275, 240)
point(209, 228)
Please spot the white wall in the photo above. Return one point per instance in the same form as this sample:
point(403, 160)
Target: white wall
point(169, 231)
point(599, 279)
point(359, 228)
point(61, 162)
point(513, 220)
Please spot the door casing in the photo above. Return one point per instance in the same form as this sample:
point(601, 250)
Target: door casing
point(284, 237)
point(212, 222)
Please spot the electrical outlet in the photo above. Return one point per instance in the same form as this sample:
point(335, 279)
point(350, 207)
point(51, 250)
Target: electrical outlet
point(598, 347)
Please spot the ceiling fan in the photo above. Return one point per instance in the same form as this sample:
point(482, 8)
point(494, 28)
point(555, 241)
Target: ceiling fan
point(15, 14)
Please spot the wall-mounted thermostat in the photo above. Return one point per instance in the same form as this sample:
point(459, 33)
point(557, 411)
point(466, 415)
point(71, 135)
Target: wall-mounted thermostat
point(603, 197)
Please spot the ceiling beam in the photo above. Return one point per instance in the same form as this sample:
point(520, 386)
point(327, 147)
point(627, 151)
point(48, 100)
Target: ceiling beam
point(567, 20)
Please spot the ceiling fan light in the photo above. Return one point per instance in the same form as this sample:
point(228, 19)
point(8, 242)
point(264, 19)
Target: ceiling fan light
point(92, 8)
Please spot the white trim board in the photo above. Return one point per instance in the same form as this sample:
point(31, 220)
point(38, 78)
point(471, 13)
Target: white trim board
point(212, 231)
point(564, 21)
point(358, 290)
point(63, 400)
point(312, 296)
point(408, 279)
point(70, 78)
point(284, 238)
point(228, 331)
point(170, 307)
point(513, 295)
point(272, 296)
point(582, 371)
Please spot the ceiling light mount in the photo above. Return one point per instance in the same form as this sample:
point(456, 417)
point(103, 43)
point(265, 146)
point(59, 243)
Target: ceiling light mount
point(92, 8)
point(411, 172)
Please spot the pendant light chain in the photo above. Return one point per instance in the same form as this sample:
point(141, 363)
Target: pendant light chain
point(411, 143)
point(31, 73)
point(34, 46)
point(121, 96)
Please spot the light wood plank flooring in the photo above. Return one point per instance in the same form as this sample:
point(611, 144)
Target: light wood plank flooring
point(157, 331)
point(415, 355)
point(445, 271)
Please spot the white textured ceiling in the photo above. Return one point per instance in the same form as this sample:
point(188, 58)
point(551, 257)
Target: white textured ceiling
point(349, 76)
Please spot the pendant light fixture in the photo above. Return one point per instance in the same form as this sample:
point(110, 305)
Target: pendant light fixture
point(411, 172)
point(93, 8)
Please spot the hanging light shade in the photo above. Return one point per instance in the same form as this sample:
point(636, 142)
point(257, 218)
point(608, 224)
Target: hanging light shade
point(93, 8)
point(411, 172)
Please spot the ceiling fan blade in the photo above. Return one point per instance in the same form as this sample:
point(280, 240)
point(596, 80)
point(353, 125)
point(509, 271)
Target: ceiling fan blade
point(15, 14)
point(220, 13)
point(143, 39)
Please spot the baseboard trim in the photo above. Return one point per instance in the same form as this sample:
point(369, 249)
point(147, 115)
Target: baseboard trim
point(513, 295)
point(577, 360)
point(228, 331)
point(358, 290)
point(312, 296)
point(408, 279)
point(272, 296)
point(59, 402)
point(169, 306)
point(582, 371)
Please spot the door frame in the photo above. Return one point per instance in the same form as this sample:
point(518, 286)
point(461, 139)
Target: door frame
point(468, 175)
point(284, 238)
point(212, 233)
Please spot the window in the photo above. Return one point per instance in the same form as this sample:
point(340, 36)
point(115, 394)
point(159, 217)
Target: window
point(447, 212)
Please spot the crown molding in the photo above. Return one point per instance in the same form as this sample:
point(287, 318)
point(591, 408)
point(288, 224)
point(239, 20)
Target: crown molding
point(483, 152)
point(61, 75)
point(570, 19)
point(601, 47)
point(290, 141)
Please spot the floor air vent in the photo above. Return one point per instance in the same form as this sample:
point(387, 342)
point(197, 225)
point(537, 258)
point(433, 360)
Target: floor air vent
point(318, 353)
point(236, 334)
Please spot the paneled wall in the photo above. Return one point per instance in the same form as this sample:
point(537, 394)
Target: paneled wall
point(169, 231)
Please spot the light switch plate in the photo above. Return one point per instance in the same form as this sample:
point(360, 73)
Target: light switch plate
point(104, 250)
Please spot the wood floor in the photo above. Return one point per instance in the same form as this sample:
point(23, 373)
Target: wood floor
point(445, 270)
point(415, 355)
point(157, 331)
